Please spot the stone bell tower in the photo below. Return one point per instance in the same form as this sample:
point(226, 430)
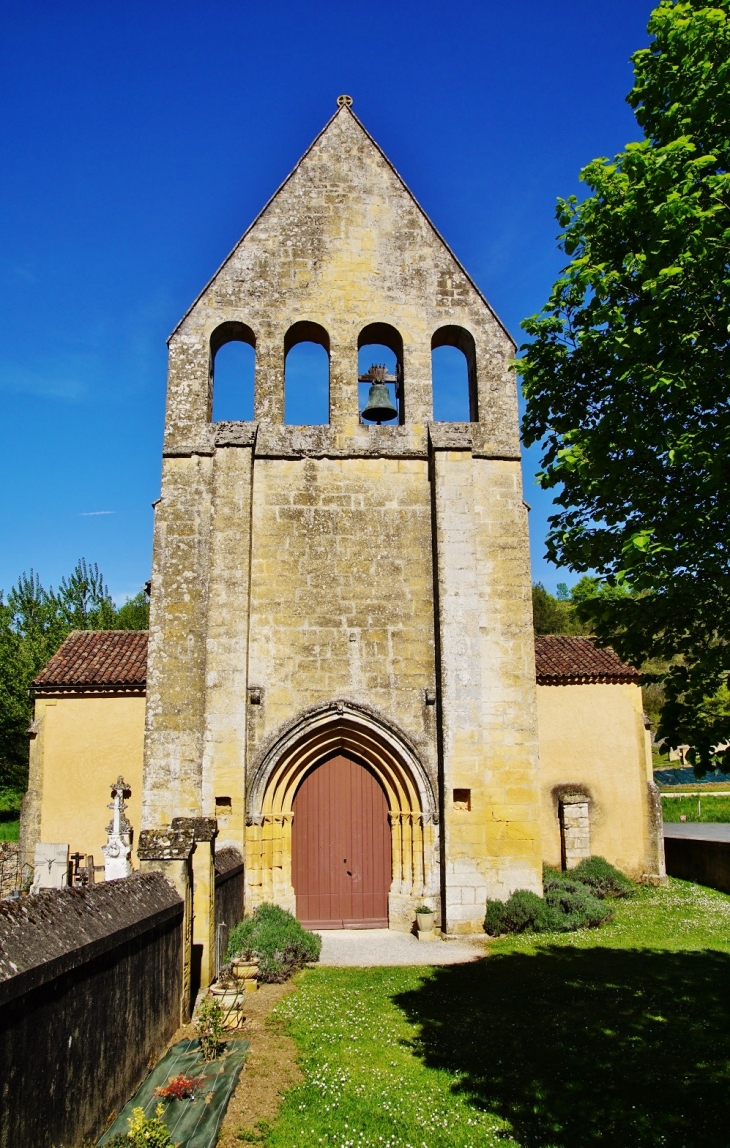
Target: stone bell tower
point(353, 592)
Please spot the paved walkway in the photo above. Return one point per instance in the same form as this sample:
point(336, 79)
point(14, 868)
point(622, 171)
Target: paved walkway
point(367, 947)
point(698, 830)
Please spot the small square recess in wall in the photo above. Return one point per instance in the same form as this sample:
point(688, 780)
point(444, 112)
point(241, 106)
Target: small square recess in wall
point(462, 799)
point(222, 806)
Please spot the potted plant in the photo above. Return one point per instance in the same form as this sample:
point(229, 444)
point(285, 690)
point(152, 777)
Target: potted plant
point(425, 918)
point(246, 969)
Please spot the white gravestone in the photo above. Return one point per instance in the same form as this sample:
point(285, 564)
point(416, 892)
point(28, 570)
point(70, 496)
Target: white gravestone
point(118, 847)
point(51, 866)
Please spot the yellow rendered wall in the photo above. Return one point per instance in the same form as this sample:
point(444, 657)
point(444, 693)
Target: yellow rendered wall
point(592, 738)
point(87, 743)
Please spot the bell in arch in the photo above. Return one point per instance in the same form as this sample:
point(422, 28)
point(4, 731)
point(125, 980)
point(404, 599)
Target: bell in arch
point(379, 408)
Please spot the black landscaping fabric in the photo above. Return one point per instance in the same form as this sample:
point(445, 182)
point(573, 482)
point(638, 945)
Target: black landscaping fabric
point(192, 1123)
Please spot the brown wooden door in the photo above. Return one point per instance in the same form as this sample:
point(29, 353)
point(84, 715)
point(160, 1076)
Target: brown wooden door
point(341, 848)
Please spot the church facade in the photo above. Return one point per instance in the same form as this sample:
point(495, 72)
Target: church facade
point(353, 590)
point(341, 673)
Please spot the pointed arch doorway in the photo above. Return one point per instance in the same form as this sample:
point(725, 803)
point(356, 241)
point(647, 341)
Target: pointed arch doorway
point(341, 847)
point(360, 734)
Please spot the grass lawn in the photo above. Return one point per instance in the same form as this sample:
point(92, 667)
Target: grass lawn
point(618, 1036)
point(10, 800)
point(704, 808)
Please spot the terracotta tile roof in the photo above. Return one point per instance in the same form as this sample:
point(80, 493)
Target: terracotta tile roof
point(97, 659)
point(110, 659)
point(561, 661)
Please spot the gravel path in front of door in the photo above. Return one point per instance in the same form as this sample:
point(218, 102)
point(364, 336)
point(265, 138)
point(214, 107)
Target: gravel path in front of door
point(364, 948)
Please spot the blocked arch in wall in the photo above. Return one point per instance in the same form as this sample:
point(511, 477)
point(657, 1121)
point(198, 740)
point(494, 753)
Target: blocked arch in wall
point(297, 750)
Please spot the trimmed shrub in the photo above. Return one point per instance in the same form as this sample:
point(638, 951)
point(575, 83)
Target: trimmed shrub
point(277, 939)
point(568, 905)
point(596, 874)
point(575, 906)
point(602, 878)
point(549, 874)
point(493, 919)
point(524, 912)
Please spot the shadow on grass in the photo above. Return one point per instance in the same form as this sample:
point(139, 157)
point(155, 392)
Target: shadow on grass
point(581, 1047)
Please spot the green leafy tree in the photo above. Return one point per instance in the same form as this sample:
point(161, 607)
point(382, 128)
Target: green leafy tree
point(134, 614)
point(550, 615)
point(627, 383)
point(84, 599)
point(33, 624)
point(557, 614)
point(31, 629)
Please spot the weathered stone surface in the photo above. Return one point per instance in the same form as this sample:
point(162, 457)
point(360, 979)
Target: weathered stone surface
point(10, 867)
point(203, 828)
point(576, 828)
point(167, 843)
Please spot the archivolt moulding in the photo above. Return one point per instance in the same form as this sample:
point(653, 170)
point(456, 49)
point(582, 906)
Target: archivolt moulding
point(347, 726)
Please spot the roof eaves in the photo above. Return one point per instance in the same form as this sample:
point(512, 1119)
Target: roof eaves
point(71, 687)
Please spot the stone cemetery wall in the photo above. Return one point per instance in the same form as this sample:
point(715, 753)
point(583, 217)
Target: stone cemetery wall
point(706, 862)
point(90, 987)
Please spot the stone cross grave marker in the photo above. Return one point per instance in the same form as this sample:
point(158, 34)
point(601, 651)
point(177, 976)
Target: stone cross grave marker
point(118, 847)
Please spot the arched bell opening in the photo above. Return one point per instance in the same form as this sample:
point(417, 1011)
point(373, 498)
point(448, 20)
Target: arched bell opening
point(381, 393)
point(360, 738)
point(232, 370)
point(454, 375)
point(306, 375)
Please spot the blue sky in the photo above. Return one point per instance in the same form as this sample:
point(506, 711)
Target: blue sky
point(140, 139)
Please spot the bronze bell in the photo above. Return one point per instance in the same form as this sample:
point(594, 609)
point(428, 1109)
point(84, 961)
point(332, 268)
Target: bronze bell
point(379, 408)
